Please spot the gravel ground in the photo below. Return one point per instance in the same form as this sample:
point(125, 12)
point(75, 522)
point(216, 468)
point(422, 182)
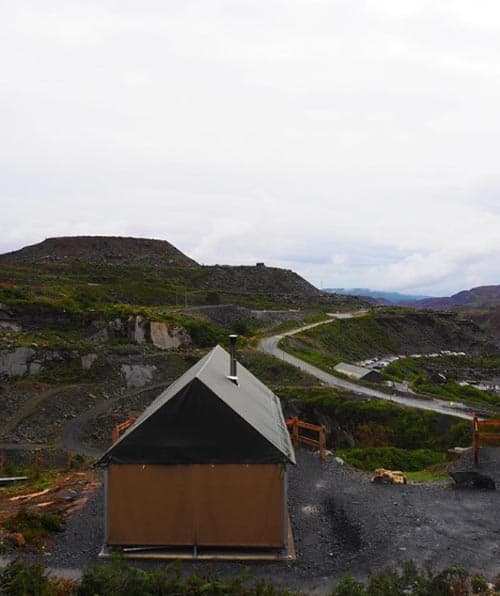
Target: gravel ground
point(343, 523)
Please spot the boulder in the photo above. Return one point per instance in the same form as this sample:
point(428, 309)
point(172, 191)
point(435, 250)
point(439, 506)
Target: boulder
point(137, 329)
point(16, 362)
point(138, 375)
point(472, 479)
point(383, 476)
point(10, 326)
point(167, 338)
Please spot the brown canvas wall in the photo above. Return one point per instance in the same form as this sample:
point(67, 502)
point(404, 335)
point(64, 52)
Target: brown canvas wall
point(207, 505)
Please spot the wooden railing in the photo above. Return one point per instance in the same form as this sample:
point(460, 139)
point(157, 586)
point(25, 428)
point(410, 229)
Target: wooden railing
point(295, 425)
point(120, 428)
point(479, 436)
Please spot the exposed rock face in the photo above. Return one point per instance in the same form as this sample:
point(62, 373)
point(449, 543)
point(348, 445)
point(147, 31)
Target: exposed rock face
point(226, 315)
point(100, 336)
point(18, 362)
point(10, 326)
point(6, 320)
point(88, 360)
point(138, 328)
point(138, 375)
point(167, 339)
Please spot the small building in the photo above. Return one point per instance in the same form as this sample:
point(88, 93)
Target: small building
point(359, 373)
point(203, 467)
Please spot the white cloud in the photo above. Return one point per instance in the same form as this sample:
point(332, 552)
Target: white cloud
point(353, 141)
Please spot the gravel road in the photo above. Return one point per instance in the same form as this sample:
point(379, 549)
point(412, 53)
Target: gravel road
point(343, 523)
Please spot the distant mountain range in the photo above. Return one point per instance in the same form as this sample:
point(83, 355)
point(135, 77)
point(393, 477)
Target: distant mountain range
point(379, 296)
point(480, 298)
point(476, 300)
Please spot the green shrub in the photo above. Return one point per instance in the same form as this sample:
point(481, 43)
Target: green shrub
point(407, 428)
point(348, 586)
point(22, 579)
point(411, 581)
point(203, 333)
point(121, 579)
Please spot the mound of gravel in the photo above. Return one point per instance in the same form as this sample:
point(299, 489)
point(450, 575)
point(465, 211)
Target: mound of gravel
point(101, 250)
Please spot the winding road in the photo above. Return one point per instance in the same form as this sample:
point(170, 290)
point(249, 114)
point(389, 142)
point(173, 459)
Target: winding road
point(269, 345)
point(72, 440)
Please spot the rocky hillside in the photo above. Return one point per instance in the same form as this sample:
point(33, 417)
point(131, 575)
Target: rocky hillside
point(101, 250)
point(257, 279)
point(97, 259)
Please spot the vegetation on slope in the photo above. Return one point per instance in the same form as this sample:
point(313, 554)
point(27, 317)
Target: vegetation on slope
point(360, 422)
point(384, 332)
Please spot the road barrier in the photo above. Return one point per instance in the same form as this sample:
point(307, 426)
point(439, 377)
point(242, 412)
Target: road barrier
point(295, 425)
point(479, 436)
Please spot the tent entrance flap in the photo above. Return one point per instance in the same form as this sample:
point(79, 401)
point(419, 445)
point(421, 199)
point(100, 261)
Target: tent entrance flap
point(223, 505)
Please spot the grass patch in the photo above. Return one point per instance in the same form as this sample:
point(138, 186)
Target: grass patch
point(34, 526)
point(272, 371)
point(37, 480)
point(427, 476)
point(392, 458)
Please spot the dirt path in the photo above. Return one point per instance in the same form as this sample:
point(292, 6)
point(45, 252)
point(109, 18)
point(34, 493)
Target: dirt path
point(31, 406)
point(72, 438)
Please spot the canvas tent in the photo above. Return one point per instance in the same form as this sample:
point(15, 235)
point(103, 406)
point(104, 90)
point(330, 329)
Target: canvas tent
point(204, 465)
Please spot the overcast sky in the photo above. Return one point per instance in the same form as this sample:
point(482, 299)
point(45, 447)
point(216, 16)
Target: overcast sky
point(356, 142)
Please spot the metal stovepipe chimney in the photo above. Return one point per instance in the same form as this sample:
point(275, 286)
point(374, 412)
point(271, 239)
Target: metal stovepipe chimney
point(233, 370)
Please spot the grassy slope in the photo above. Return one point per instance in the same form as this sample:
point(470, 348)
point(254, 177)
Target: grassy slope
point(341, 340)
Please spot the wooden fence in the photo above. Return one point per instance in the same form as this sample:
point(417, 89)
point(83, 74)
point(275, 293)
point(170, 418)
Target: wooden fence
point(120, 428)
point(479, 436)
point(295, 426)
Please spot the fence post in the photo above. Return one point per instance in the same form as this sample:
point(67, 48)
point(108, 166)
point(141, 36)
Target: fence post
point(295, 431)
point(322, 442)
point(3, 466)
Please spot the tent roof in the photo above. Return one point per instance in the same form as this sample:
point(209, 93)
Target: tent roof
point(204, 417)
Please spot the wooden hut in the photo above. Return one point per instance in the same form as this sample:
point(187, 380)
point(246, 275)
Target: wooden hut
point(203, 467)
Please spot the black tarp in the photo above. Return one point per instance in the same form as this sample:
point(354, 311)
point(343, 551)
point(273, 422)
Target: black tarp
point(206, 418)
